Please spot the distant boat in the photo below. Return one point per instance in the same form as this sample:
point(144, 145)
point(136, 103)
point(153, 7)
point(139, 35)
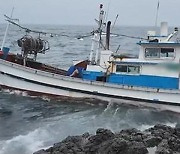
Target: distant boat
point(151, 79)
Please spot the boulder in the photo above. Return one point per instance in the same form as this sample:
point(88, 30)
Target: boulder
point(164, 139)
point(163, 148)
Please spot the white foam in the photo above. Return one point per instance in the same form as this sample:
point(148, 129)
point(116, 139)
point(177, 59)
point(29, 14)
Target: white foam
point(45, 98)
point(25, 144)
point(115, 113)
point(152, 150)
point(15, 92)
point(51, 131)
point(144, 127)
point(25, 94)
point(109, 106)
point(171, 124)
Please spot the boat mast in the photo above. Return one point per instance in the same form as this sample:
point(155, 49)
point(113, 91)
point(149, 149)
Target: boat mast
point(97, 38)
point(100, 30)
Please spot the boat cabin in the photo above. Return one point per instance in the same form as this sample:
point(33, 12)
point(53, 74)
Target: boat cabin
point(157, 65)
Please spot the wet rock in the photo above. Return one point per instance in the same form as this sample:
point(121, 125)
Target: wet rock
point(131, 134)
point(163, 139)
point(137, 148)
point(71, 145)
point(114, 146)
point(152, 141)
point(162, 131)
point(94, 141)
point(163, 148)
point(174, 144)
point(177, 132)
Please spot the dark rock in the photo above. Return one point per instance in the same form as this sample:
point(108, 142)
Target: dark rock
point(165, 128)
point(137, 148)
point(137, 138)
point(174, 144)
point(162, 131)
point(129, 131)
point(94, 141)
point(86, 135)
point(152, 141)
point(130, 141)
point(105, 133)
point(177, 132)
point(114, 146)
point(163, 148)
point(71, 145)
point(130, 134)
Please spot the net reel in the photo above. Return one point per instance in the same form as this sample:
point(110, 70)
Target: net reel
point(32, 46)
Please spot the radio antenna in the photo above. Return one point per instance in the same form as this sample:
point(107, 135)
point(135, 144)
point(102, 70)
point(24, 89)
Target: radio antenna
point(115, 21)
point(107, 13)
point(157, 13)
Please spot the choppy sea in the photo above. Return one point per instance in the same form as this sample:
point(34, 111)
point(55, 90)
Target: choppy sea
point(28, 124)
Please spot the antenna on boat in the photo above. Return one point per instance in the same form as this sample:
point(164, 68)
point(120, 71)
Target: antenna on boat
point(107, 12)
point(157, 13)
point(115, 21)
point(118, 48)
point(7, 27)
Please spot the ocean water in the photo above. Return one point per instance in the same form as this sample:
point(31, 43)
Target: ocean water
point(28, 123)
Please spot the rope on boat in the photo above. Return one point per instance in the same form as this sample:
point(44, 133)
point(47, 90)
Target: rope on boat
point(114, 34)
point(133, 37)
point(27, 30)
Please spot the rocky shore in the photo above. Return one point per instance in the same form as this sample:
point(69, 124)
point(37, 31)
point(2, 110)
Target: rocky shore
point(160, 139)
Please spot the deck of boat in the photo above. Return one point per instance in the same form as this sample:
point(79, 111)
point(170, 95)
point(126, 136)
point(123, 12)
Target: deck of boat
point(33, 64)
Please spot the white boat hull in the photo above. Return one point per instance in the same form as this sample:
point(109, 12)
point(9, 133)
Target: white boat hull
point(27, 79)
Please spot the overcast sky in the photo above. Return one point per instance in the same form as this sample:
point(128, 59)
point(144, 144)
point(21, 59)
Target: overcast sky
point(78, 12)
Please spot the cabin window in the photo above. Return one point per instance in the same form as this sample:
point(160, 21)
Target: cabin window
point(159, 52)
point(167, 52)
point(133, 69)
point(121, 68)
point(130, 69)
point(152, 53)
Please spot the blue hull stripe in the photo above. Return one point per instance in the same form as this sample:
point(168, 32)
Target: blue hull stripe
point(146, 81)
point(137, 80)
point(92, 93)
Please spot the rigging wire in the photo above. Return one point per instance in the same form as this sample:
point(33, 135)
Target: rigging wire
point(114, 34)
point(27, 30)
point(133, 37)
point(108, 11)
point(115, 21)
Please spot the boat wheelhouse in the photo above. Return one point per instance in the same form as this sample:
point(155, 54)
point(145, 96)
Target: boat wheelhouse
point(157, 65)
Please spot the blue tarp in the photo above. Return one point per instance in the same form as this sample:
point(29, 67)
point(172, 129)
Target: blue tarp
point(73, 68)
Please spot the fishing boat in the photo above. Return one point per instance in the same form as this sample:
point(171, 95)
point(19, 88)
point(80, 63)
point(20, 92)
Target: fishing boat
point(151, 79)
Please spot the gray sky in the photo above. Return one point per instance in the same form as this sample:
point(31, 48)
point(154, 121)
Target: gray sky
point(78, 12)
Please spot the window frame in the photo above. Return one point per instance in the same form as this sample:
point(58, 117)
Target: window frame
point(127, 71)
point(160, 52)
